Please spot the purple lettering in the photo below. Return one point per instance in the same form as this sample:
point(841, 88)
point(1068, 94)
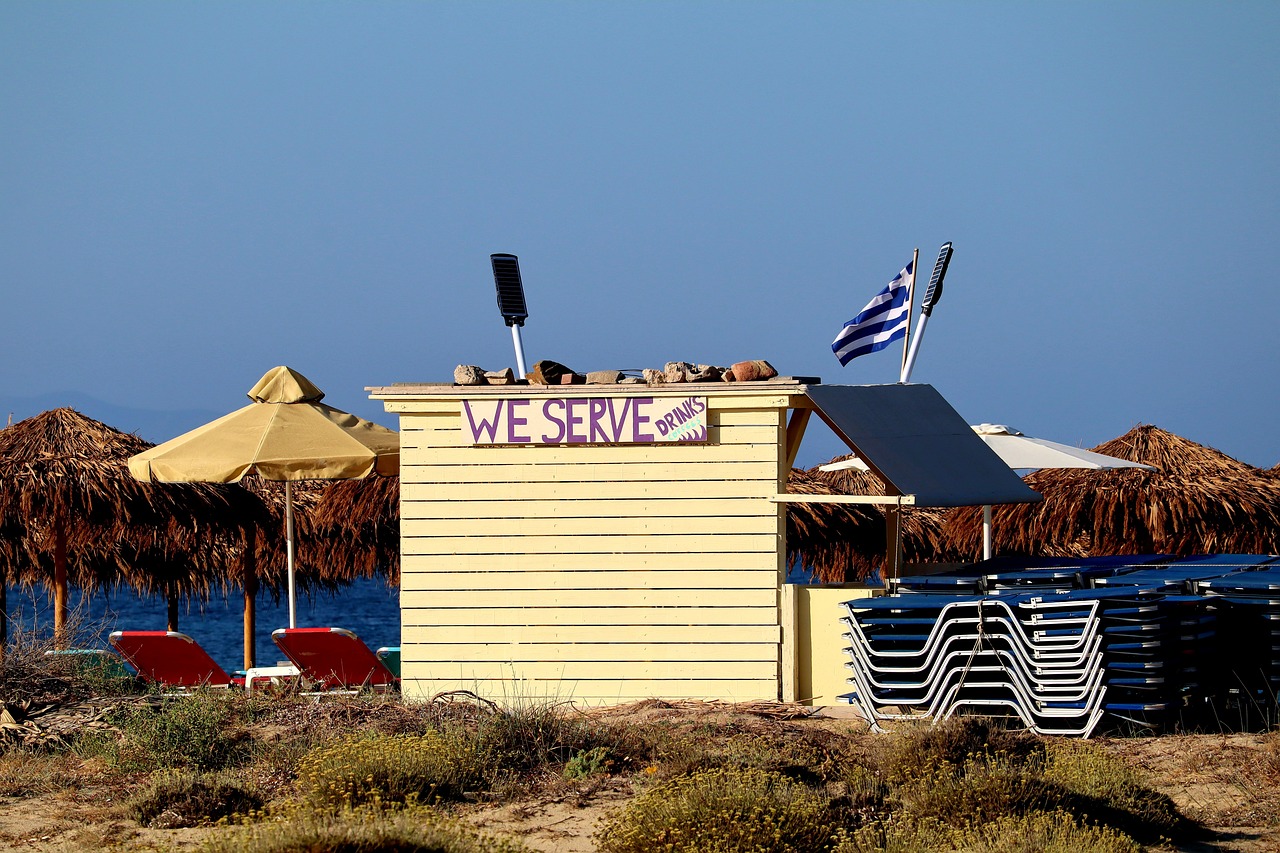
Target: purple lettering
point(571, 420)
point(485, 426)
point(619, 419)
point(548, 438)
point(596, 409)
point(640, 419)
point(513, 421)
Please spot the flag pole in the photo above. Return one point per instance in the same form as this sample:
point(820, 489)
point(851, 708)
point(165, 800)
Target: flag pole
point(911, 300)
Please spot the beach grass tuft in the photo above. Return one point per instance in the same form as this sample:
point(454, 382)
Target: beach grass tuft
point(413, 829)
point(725, 809)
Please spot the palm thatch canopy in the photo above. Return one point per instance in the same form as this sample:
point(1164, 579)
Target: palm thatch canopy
point(922, 539)
point(73, 513)
point(319, 567)
point(359, 521)
point(1197, 501)
point(837, 542)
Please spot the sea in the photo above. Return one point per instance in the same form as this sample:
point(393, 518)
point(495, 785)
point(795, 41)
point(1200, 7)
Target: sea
point(370, 608)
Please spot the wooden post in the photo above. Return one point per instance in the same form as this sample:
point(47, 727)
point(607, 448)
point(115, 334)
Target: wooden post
point(788, 685)
point(795, 431)
point(250, 597)
point(173, 608)
point(60, 639)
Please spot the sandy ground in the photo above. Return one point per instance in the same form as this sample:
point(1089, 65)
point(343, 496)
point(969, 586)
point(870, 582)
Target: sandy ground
point(1218, 780)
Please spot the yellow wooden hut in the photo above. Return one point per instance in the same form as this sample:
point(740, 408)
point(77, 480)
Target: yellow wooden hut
point(608, 543)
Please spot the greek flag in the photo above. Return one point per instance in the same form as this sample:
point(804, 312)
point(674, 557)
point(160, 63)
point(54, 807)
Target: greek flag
point(882, 322)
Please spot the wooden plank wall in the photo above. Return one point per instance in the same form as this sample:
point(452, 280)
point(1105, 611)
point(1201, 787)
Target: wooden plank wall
point(604, 574)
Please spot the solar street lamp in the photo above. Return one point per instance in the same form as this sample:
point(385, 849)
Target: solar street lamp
point(931, 297)
point(506, 278)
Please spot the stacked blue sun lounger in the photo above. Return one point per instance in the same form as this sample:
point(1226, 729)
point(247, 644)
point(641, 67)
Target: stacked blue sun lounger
point(1248, 608)
point(1024, 573)
point(935, 655)
point(1062, 645)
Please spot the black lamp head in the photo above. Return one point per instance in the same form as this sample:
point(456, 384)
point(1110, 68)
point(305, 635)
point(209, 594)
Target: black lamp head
point(934, 291)
point(506, 277)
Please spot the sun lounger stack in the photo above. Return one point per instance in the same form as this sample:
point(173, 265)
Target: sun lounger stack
point(1022, 574)
point(1066, 644)
point(934, 655)
point(1181, 574)
point(1248, 608)
point(1194, 636)
point(1156, 645)
point(1061, 661)
point(1056, 573)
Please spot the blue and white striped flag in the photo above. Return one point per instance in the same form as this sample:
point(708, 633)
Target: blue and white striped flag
point(882, 322)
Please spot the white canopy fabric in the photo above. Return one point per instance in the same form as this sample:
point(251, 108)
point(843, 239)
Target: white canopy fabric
point(1022, 452)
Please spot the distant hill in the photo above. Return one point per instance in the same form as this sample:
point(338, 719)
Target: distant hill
point(153, 425)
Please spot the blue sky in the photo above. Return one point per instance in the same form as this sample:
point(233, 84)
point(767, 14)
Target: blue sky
point(192, 193)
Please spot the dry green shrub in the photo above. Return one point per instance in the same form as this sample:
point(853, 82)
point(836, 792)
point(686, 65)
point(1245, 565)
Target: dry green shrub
point(1036, 832)
point(865, 794)
point(391, 769)
point(1271, 757)
point(528, 735)
point(1112, 792)
point(920, 752)
point(176, 800)
point(369, 828)
point(587, 763)
point(1071, 777)
point(724, 810)
point(810, 756)
point(201, 731)
point(1044, 832)
point(894, 835)
point(982, 790)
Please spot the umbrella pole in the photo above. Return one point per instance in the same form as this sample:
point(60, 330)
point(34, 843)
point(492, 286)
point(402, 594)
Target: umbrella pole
point(288, 533)
point(986, 531)
point(893, 544)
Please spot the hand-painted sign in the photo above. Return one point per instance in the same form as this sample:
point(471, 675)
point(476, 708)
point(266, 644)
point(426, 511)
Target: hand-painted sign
point(584, 420)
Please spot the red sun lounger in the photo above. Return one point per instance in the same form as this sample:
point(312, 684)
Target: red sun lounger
point(170, 658)
point(333, 658)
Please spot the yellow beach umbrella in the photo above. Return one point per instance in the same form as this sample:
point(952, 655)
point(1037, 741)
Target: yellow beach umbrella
point(286, 434)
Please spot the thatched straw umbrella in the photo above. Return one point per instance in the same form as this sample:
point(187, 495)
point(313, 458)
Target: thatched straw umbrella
point(73, 513)
point(837, 542)
point(1197, 501)
point(360, 522)
point(921, 528)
